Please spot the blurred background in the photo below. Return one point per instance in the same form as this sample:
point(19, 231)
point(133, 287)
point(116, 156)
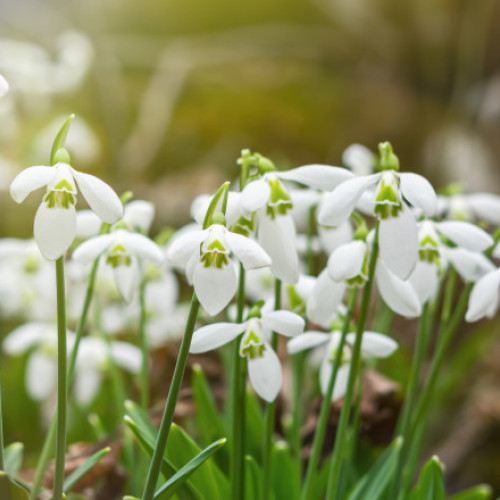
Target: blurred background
point(168, 92)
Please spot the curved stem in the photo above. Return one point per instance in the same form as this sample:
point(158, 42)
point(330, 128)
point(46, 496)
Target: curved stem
point(340, 437)
point(270, 412)
point(61, 383)
point(326, 403)
point(173, 395)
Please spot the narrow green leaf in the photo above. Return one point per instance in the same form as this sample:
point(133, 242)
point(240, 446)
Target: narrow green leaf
point(208, 479)
point(79, 472)
point(171, 486)
point(60, 138)
point(375, 481)
point(253, 479)
point(186, 491)
point(10, 489)
point(285, 473)
point(318, 489)
point(480, 492)
point(430, 485)
point(208, 420)
point(13, 458)
point(141, 419)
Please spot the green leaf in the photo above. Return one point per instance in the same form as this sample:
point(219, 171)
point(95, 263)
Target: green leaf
point(430, 485)
point(171, 486)
point(253, 479)
point(10, 489)
point(187, 491)
point(80, 471)
point(141, 419)
point(480, 492)
point(375, 481)
point(60, 138)
point(285, 473)
point(208, 479)
point(209, 422)
point(318, 488)
point(13, 457)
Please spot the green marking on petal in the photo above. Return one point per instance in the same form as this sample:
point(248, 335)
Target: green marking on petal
point(251, 346)
point(63, 184)
point(119, 257)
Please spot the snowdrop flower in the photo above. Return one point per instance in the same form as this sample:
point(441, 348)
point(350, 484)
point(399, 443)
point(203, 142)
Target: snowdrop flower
point(264, 367)
point(124, 252)
point(4, 86)
point(390, 196)
point(435, 254)
point(138, 215)
point(55, 220)
point(92, 364)
point(41, 370)
point(469, 207)
point(373, 345)
point(485, 297)
point(347, 266)
point(204, 254)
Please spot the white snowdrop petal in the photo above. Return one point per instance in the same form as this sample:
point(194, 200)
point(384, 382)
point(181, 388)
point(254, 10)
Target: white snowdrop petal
point(214, 287)
point(4, 86)
point(419, 192)
point(248, 252)
point(87, 383)
point(213, 336)
point(255, 195)
point(127, 279)
point(465, 235)
point(486, 207)
point(139, 214)
point(307, 340)
point(54, 230)
point(398, 243)
point(332, 237)
point(359, 159)
point(41, 373)
point(341, 381)
point(324, 300)
point(26, 336)
point(143, 247)
point(89, 250)
point(469, 265)
point(339, 204)
point(100, 197)
point(29, 180)
point(180, 250)
point(374, 344)
point(277, 238)
point(265, 374)
point(284, 322)
point(346, 261)
point(496, 251)
point(484, 293)
point(425, 281)
point(399, 295)
point(127, 356)
point(87, 224)
point(323, 177)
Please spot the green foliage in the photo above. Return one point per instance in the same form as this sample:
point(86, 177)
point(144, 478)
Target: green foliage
point(76, 475)
point(10, 489)
point(13, 457)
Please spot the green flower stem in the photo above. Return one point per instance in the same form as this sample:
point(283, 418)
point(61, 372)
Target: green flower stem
point(340, 437)
point(238, 404)
point(270, 412)
point(298, 366)
point(311, 230)
point(144, 375)
point(422, 409)
point(61, 382)
point(2, 462)
point(48, 445)
point(404, 421)
point(173, 394)
point(326, 403)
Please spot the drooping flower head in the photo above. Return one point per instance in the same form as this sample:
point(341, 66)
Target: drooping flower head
point(55, 220)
